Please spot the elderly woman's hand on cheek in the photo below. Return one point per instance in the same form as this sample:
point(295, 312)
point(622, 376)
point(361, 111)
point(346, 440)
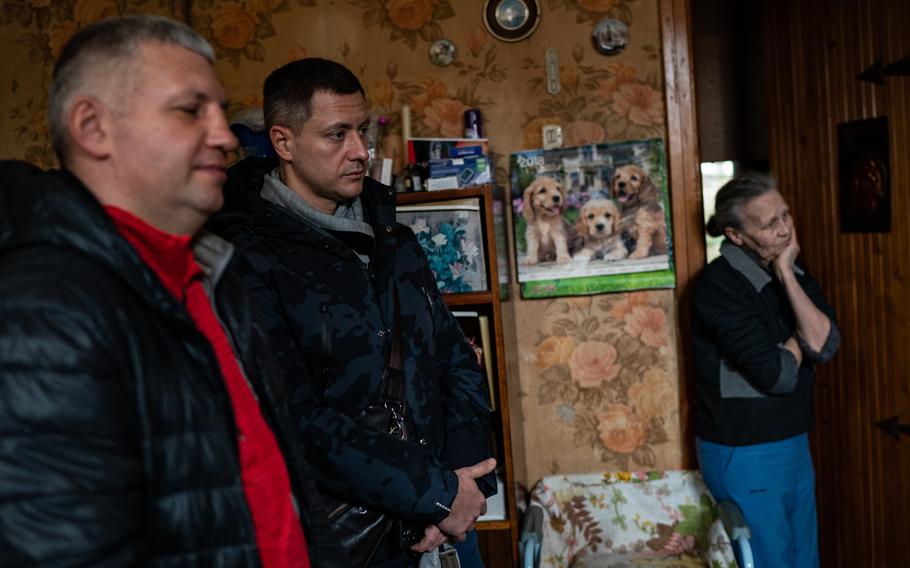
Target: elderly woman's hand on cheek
point(787, 257)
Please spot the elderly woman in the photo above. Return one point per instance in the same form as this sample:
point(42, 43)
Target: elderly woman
point(760, 323)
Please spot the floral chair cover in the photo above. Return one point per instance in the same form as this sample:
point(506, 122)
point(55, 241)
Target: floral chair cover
point(618, 520)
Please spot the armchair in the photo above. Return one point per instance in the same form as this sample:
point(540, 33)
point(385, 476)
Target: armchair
point(623, 519)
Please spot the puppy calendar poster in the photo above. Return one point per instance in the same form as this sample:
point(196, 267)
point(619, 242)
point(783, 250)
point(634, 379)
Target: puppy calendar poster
point(592, 219)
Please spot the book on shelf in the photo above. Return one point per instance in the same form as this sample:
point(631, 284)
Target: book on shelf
point(487, 347)
point(476, 328)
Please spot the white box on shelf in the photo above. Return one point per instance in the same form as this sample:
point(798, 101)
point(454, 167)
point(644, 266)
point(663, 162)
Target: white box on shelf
point(439, 184)
point(496, 505)
point(385, 176)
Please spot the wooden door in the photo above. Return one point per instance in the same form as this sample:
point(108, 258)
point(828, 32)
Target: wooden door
point(814, 50)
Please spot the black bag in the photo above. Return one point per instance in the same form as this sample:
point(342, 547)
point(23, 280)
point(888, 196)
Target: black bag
point(360, 530)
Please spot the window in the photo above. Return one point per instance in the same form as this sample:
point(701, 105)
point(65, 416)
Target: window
point(713, 176)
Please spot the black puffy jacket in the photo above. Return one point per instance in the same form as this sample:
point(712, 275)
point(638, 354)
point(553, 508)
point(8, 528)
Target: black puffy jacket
point(117, 435)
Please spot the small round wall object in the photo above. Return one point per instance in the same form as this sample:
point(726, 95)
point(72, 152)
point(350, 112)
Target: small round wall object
point(442, 52)
point(610, 36)
point(511, 20)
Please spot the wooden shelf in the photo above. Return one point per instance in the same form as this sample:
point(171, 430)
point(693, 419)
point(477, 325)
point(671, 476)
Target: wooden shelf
point(415, 197)
point(499, 538)
point(493, 525)
point(468, 298)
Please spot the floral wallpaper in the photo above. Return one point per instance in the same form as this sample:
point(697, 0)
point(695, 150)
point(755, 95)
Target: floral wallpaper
point(598, 375)
point(32, 33)
point(598, 384)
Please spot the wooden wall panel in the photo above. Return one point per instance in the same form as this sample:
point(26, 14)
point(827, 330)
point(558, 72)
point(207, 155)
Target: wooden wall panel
point(813, 51)
point(685, 186)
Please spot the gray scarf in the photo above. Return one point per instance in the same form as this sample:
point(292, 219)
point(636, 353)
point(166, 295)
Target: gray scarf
point(348, 216)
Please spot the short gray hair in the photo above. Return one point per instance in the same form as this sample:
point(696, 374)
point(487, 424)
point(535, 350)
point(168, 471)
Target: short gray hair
point(731, 198)
point(104, 44)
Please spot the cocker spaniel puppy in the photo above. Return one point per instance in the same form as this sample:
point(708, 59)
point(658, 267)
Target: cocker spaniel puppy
point(600, 227)
point(643, 216)
point(543, 204)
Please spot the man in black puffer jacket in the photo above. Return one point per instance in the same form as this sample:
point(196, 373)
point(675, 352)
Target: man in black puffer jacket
point(139, 409)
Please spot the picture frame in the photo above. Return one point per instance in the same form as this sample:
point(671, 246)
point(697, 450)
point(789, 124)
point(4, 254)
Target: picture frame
point(451, 235)
point(864, 168)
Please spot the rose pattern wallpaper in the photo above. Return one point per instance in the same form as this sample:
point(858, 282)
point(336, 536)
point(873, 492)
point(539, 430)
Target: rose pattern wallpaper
point(596, 378)
point(599, 378)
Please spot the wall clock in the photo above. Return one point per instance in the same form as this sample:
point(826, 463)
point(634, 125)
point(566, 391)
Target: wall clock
point(511, 20)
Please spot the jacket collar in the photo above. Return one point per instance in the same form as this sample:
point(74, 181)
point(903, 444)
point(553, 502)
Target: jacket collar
point(380, 199)
point(744, 262)
point(244, 206)
point(54, 208)
point(348, 216)
point(213, 254)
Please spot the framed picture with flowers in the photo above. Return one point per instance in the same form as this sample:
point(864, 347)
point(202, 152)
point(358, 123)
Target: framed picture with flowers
point(451, 234)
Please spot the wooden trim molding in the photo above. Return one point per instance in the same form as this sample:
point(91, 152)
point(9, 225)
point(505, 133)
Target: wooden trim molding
point(685, 190)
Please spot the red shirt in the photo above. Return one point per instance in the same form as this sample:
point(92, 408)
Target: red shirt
point(264, 474)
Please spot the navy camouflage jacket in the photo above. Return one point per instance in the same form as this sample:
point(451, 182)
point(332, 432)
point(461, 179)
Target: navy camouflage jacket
point(330, 319)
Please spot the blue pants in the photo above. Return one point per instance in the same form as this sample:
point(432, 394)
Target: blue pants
point(469, 552)
point(774, 486)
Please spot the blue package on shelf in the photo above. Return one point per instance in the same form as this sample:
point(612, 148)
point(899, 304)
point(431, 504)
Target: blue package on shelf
point(457, 173)
point(422, 150)
point(465, 151)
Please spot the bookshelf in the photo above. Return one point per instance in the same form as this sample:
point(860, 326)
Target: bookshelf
point(498, 538)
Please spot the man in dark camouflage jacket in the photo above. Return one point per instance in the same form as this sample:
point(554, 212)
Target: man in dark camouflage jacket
point(319, 248)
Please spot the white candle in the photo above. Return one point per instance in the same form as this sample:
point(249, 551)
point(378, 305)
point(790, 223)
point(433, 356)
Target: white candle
point(405, 122)
point(405, 132)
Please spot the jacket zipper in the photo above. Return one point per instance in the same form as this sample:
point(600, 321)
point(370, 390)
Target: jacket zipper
point(338, 511)
point(325, 345)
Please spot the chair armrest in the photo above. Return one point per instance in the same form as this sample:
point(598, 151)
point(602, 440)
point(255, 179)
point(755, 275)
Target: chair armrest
point(733, 520)
point(531, 534)
point(738, 530)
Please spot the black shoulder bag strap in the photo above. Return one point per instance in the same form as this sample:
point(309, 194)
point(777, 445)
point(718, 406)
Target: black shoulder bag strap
point(406, 533)
point(361, 530)
point(392, 391)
